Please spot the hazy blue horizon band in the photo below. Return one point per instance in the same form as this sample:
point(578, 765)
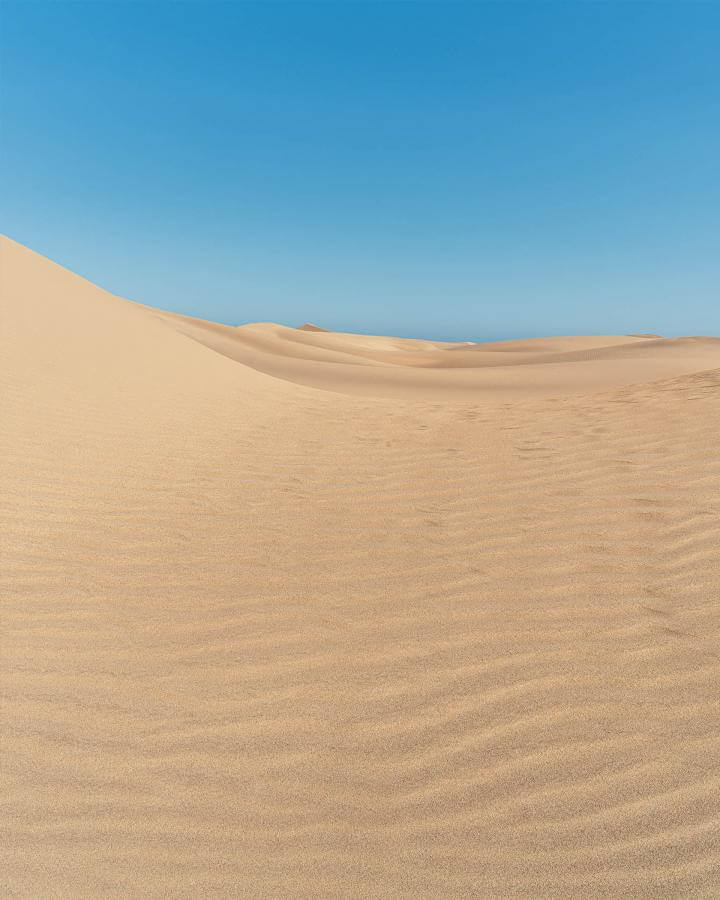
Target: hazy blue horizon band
point(451, 171)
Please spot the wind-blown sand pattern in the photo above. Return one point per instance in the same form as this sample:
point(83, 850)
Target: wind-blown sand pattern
point(289, 613)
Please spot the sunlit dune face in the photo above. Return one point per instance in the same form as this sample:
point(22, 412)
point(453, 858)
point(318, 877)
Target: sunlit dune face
point(295, 613)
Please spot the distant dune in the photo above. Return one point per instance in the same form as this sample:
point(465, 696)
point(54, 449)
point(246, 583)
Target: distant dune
point(308, 326)
point(402, 368)
point(295, 613)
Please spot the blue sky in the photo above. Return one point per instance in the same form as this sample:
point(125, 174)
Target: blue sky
point(450, 170)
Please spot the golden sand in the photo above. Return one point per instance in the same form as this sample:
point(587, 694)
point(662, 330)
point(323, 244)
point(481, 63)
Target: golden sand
point(291, 613)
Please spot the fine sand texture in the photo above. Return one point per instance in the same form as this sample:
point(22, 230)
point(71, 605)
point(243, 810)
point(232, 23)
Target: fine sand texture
point(292, 613)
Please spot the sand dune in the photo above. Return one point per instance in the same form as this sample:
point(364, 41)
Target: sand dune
point(289, 613)
point(417, 370)
point(308, 326)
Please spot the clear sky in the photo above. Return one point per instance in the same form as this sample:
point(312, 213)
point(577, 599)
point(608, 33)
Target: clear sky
point(450, 170)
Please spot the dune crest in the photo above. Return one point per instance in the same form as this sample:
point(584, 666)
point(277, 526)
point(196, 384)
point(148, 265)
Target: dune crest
point(422, 370)
point(297, 613)
point(308, 326)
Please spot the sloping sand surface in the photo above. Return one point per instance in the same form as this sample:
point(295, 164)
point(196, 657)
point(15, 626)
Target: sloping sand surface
point(432, 630)
point(374, 366)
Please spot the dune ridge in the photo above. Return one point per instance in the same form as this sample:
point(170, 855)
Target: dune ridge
point(295, 614)
point(421, 370)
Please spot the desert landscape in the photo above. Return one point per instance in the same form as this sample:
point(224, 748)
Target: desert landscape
point(289, 612)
